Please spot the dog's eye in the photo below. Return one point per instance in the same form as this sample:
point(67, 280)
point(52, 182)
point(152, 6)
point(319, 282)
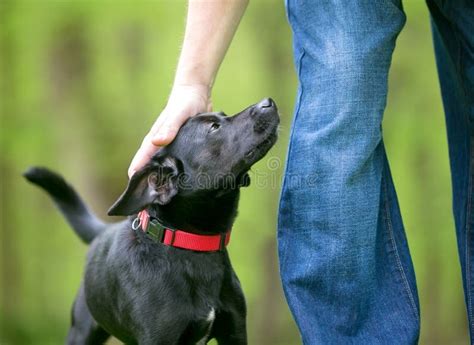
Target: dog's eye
point(214, 127)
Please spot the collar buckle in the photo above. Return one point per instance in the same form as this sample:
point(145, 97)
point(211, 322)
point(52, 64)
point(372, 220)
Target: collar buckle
point(156, 231)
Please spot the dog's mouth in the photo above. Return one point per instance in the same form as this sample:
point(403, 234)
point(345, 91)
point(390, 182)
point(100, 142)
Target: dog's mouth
point(262, 148)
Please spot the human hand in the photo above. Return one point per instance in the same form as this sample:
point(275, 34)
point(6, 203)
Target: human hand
point(184, 102)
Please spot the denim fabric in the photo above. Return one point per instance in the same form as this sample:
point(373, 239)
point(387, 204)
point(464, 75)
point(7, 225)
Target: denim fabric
point(344, 260)
point(453, 36)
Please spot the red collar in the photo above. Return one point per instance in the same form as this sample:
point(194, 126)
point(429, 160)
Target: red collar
point(179, 238)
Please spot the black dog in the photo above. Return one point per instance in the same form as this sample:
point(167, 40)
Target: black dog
point(161, 285)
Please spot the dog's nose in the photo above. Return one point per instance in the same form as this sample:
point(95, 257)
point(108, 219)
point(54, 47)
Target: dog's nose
point(266, 103)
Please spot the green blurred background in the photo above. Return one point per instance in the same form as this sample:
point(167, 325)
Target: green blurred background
point(81, 83)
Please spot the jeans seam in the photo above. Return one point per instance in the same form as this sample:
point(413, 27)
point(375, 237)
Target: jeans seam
point(468, 230)
point(397, 256)
point(300, 67)
point(282, 257)
point(459, 66)
point(297, 110)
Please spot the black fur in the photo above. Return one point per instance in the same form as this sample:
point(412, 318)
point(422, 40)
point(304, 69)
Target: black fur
point(83, 221)
point(144, 292)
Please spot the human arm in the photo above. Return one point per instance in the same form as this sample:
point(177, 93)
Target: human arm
point(210, 27)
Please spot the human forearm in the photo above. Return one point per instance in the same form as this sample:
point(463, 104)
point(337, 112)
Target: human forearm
point(210, 28)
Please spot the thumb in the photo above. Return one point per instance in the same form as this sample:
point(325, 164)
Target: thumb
point(143, 156)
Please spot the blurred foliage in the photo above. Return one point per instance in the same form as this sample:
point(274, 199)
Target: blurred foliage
point(80, 84)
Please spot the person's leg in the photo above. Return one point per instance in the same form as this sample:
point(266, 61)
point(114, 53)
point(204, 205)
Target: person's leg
point(344, 260)
point(453, 36)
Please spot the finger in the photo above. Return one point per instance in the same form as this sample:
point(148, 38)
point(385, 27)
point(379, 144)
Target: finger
point(143, 156)
point(158, 123)
point(147, 149)
point(166, 134)
point(168, 129)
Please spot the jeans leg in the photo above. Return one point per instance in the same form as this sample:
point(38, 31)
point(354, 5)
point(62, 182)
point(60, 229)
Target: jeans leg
point(344, 261)
point(453, 36)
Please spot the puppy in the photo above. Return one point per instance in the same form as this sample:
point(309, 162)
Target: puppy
point(163, 276)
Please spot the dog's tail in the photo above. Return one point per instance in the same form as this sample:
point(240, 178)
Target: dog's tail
point(83, 221)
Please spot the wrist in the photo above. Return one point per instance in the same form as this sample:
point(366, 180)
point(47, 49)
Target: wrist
point(201, 90)
point(193, 75)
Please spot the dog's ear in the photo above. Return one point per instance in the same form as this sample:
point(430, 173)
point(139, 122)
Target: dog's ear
point(244, 180)
point(155, 183)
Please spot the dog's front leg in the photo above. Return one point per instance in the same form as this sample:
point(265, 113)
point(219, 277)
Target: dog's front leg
point(84, 329)
point(230, 327)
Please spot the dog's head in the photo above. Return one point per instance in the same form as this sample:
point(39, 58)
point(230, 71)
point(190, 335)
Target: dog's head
point(211, 154)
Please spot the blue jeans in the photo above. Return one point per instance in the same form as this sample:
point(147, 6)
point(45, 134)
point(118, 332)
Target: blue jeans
point(344, 260)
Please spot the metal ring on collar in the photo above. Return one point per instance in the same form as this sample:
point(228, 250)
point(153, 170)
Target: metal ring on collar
point(137, 222)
